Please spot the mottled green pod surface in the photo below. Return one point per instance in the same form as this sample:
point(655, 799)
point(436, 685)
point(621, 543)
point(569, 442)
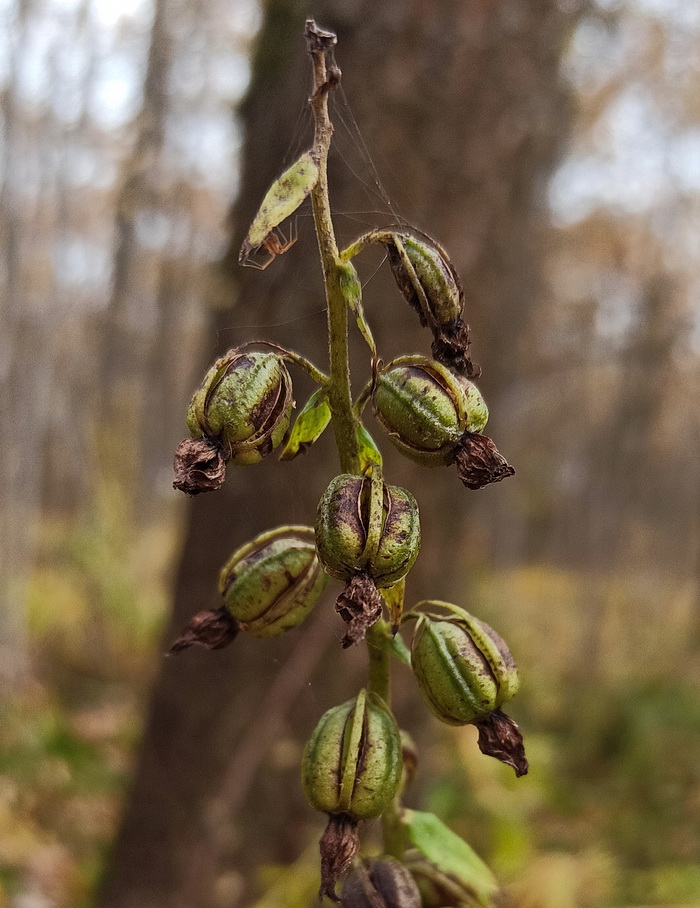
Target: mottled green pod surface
point(352, 762)
point(426, 409)
point(464, 669)
point(270, 584)
point(245, 404)
point(426, 278)
point(364, 525)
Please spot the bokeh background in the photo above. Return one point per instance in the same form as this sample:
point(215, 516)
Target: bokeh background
point(553, 146)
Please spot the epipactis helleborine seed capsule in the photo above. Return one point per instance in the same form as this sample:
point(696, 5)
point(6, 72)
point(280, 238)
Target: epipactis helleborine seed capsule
point(239, 414)
point(367, 534)
point(465, 673)
point(351, 770)
point(431, 286)
point(269, 585)
point(434, 289)
point(273, 582)
point(435, 417)
point(380, 883)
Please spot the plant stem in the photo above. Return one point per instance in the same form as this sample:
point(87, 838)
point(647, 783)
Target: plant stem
point(320, 45)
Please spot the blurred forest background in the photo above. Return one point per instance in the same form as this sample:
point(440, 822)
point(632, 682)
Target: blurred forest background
point(553, 146)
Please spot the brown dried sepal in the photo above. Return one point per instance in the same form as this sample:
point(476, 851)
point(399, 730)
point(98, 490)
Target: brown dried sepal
point(360, 606)
point(451, 348)
point(212, 629)
point(479, 462)
point(199, 466)
point(339, 844)
point(500, 737)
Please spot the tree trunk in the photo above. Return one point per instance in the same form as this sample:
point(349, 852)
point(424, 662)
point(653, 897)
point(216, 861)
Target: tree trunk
point(463, 103)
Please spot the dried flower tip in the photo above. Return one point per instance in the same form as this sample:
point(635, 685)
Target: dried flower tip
point(212, 629)
point(199, 466)
point(360, 606)
point(479, 462)
point(338, 845)
point(451, 348)
point(500, 737)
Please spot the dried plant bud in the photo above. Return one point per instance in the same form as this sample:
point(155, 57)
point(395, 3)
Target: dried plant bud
point(239, 414)
point(367, 534)
point(211, 629)
point(338, 846)
point(352, 762)
point(380, 883)
point(199, 466)
point(273, 582)
point(426, 409)
point(465, 673)
point(479, 462)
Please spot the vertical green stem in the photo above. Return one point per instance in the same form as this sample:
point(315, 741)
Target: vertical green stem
point(339, 394)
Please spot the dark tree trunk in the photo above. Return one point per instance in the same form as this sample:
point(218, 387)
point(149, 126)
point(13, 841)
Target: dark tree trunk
point(462, 107)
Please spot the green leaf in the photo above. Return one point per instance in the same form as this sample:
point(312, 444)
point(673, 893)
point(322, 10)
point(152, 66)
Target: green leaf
point(352, 291)
point(281, 200)
point(369, 452)
point(449, 857)
point(309, 425)
point(393, 596)
point(399, 649)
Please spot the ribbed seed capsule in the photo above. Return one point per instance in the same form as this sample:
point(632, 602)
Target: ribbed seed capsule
point(465, 673)
point(367, 534)
point(239, 414)
point(269, 585)
point(273, 582)
point(351, 769)
point(435, 417)
point(426, 409)
point(352, 763)
point(380, 883)
point(426, 278)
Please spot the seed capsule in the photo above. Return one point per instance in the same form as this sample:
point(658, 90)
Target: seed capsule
point(380, 883)
point(427, 279)
point(435, 416)
point(367, 534)
point(426, 409)
point(351, 769)
point(352, 763)
point(465, 673)
point(239, 414)
point(273, 582)
point(269, 585)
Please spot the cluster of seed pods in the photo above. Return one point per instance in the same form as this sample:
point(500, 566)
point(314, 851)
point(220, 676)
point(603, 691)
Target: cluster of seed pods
point(367, 535)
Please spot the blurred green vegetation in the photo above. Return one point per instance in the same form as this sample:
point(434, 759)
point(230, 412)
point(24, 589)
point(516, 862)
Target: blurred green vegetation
point(608, 816)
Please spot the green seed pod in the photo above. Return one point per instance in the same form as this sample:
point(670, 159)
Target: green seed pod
point(239, 414)
point(380, 883)
point(465, 673)
point(427, 279)
point(364, 525)
point(352, 762)
point(463, 668)
point(426, 409)
point(272, 583)
point(244, 402)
